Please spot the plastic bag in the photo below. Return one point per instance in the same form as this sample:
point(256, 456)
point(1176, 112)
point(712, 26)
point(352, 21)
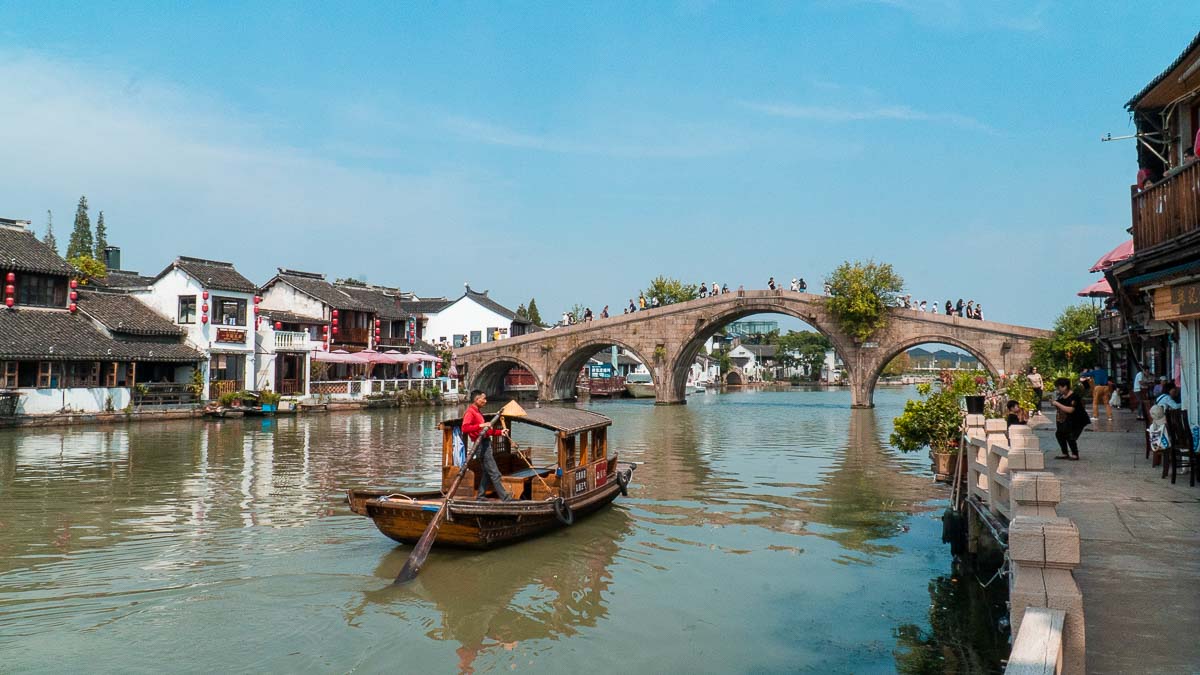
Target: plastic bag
point(1115, 399)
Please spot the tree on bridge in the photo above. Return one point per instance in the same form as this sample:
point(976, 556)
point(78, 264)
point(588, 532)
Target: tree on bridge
point(860, 295)
point(803, 349)
point(1066, 353)
point(669, 291)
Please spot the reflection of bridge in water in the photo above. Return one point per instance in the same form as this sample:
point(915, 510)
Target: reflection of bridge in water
point(667, 339)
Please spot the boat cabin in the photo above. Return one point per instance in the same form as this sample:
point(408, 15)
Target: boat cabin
point(581, 446)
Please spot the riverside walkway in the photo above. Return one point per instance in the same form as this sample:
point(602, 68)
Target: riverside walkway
point(1139, 568)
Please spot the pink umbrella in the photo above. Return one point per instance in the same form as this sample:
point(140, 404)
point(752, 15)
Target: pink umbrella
point(1113, 257)
point(339, 356)
point(425, 357)
point(1100, 289)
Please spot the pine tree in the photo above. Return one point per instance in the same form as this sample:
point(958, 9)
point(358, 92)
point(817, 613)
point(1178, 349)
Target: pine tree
point(522, 313)
point(49, 239)
point(101, 237)
point(532, 311)
point(81, 237)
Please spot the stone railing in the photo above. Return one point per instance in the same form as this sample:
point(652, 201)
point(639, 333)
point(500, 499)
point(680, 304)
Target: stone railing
point(1005, 475)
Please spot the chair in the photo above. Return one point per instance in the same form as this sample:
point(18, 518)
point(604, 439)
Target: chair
point(1146, 417)
point(1182, 451)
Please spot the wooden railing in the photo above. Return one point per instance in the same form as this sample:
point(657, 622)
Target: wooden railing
point(218, 387)
point(1168, 209)
point(163, 393)
point(392, 341)
point(356, 336)
point(1112, 325)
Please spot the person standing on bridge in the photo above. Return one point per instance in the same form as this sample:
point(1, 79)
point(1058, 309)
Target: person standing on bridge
point(949, 308)
point(472, 426)
point(654, 301)
point(642, 301)
point(604, 312)
point(703, 290)
point(587, 314)
point(803, 285)
point(922, 307)
point(958, 309)
point(724, 289)
point(716, 290)
point(933, 306)
point(970, 312)
point(632, 307)
point(795, 285)
point(771, 283)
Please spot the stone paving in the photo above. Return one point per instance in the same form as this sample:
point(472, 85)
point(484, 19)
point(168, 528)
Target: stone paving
point(1140, 560)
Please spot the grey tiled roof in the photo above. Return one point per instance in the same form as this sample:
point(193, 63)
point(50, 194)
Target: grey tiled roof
point(212, 274)
point(384, 302)
point(1132, 103)
point(425, 305)
point(21, 251)
point(483, 300)
point(316, 286)
point(58, 335)
point(288, 317)
point(124, 279)
point(121, 313)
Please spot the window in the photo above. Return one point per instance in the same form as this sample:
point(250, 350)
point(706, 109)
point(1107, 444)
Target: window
point(226, 367)
point(8, 375)
point(187, 309)
point(475, 337)
point(229, 311)
point(460, 340)
point(43, 376)
point(41, 290)
point(493, 334)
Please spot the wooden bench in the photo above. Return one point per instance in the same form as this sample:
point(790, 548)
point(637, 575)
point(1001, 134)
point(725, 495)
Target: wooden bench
point(1039, 644)
point(518, 483)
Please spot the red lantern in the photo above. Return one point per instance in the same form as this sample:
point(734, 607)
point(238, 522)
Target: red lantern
point(256, 310)
point(74, 296)
point(204, 295)
point(278, 325)
point(74, 283)
point(204, 318)
point(8, 302)
point(257, 299)
point(72, 307)
point(377, 323)
point(335, 313)
point(10, 289)
point(335, 330)
point(10, 277)
point(324, 328)
point(204, 308)
point(335, 322)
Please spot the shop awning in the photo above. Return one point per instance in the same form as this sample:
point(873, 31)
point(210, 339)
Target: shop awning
point(1100, 289)
point(339, 356)
point(425, 357)
point(1113, 257)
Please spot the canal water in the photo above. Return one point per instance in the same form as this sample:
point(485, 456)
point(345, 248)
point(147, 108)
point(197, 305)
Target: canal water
point(764, 532)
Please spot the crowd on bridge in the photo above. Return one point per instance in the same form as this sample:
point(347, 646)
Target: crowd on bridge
point(971, 310)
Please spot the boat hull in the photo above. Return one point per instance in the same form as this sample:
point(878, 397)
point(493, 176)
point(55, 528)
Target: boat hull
point(475, 524)
point(640, 389)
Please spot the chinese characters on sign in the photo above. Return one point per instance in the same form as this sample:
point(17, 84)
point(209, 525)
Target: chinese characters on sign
point(231, 335)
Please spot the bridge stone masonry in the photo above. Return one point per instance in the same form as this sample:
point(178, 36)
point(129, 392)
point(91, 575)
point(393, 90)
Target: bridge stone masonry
point(667, 339)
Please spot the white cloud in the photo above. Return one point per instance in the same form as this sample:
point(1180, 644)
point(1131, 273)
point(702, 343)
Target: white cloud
point(177, 172)
point(826, 113)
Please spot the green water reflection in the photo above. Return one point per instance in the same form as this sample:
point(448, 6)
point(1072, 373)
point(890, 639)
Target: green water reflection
point(764, 532)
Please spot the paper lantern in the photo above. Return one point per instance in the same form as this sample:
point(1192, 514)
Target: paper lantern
point(204, 319)
point(256, 310)
point(335, 313)
point(377, 322)
point(204, 295)
point(74, 283)
point(10, 289)
point(334, 322)
point(72, 307)
point(278, 325)
point(257, 299)
point(10, 277)
point(8, 302)
point(335, 330)
point(204, 308)
point(74, 296)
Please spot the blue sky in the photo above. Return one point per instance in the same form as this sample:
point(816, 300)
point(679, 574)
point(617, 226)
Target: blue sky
point(572, 151)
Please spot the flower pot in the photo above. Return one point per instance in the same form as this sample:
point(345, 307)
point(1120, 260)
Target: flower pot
point(942, 465)
point(974, 405)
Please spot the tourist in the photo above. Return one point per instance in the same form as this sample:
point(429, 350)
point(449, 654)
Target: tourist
point(970, 311)
point(1160, 387)
point(1169, 399)
point(724, 289)
point(1159, 438)
point(803, 285)
point(1015, 414)
point(1070, 419)
point(771, 283)
point(642, 301)
point(795, 284)
point(587, 314)
point(625, 311)
point(1035, 383)
point(949, 308)
point(703, 291)
point(716, 290)
point(604, 312)
point(472, 426)
point(1098, 379)
point(632, 307)
point(828, 289)
point(566, 319)
point(1141, 390)
point(933, 307)
point(958, 310)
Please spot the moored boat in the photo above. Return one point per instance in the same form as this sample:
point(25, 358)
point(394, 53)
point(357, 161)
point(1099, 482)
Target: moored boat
point(639, 385)
point(584, 479)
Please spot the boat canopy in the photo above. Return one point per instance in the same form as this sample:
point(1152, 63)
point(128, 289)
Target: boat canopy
point(562, 420)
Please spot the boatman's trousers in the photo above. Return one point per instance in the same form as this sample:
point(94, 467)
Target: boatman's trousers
point(491, 472)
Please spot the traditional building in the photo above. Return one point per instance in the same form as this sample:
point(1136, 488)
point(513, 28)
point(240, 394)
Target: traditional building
point(474, 318)
point(216, 307)
point(1157, 289)
point(66, 349)
point(395, 327)
point(347, 323)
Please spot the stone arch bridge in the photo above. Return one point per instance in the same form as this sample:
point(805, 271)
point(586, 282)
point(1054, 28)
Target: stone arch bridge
point(667, 339)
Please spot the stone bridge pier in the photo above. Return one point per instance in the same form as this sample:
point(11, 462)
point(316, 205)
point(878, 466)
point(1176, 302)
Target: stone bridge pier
point(667, 339)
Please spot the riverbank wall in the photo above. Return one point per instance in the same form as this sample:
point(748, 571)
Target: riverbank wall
point(1010, 493)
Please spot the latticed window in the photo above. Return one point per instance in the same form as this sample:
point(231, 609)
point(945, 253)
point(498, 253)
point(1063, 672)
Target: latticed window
point(187, 309)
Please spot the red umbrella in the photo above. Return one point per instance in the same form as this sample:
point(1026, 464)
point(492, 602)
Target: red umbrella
point(1100, 289)
point(1113, 257)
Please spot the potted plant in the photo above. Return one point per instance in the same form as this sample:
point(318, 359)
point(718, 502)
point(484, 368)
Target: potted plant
point(935, 421)
point(269, 400)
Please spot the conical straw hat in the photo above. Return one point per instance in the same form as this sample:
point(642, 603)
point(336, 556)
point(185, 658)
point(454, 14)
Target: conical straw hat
point(512, 409)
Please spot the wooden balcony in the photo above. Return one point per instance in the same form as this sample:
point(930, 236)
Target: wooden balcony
point(290, 341)
point(1112, 325)
point(1168, 209)
point(352, 336)
point(392, 342)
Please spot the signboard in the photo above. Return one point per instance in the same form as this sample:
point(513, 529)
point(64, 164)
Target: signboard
point(601, 473)
point(600, 371)
point(231, 335)
point(1175, 303)
point(580, 480)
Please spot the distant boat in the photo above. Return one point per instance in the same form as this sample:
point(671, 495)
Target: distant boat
point(639, 385)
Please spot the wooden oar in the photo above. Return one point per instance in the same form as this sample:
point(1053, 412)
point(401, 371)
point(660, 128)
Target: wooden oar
point(420, 552)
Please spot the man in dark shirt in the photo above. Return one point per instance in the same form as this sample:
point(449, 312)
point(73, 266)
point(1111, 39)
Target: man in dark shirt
point(1070, 420)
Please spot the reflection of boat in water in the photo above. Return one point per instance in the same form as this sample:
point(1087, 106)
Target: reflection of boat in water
point(584, 479)
point(639, 385)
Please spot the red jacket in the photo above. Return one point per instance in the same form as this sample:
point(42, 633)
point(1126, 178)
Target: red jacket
point(473, 422)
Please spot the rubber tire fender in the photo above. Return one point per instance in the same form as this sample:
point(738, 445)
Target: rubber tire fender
point(623, 480)
point(563, 512)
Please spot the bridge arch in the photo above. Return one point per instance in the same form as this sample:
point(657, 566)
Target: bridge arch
point(812, 316)
point(489, 377)
point(872, 374)
point(565, 374)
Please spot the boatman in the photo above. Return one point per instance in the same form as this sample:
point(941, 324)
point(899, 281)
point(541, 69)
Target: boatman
point(472, 425)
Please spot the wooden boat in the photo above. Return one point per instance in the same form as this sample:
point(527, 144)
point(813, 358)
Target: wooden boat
point(584, 479)
point(639, 385)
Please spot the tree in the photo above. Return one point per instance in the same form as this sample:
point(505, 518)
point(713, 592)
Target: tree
point(49, 239)
point(897, 366)
point(88, 268)
point(1064, 353)
point(860, 294)
point(803, 349)
point(81, 243)
point(670, 291)
point(535, 317)
point(522, 313)
point(101, 238)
